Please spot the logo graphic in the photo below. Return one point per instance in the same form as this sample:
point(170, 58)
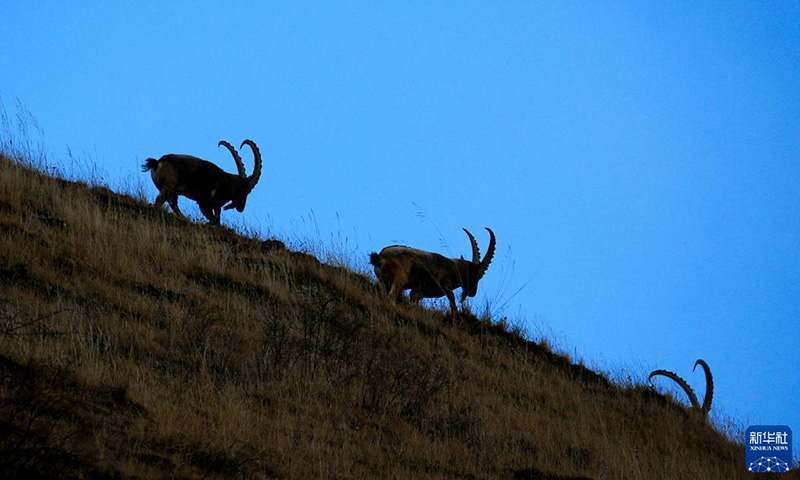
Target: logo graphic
point(768, 448)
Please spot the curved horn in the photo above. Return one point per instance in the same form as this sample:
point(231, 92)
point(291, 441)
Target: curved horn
point(476, 253)
point(236, 157)
point(489, 254)
point(252, 180)
point(679, 381)
point(709, 396)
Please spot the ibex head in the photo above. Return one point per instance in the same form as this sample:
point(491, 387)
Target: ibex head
point(203, 182)
point(477, 267)
point(243, 189)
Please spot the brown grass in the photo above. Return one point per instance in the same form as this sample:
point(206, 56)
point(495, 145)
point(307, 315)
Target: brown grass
point(133, 344)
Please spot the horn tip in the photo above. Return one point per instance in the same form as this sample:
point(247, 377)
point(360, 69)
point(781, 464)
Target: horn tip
point(699, 361)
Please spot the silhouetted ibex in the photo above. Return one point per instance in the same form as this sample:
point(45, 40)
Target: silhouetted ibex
point(430, 275)
point(202, 181)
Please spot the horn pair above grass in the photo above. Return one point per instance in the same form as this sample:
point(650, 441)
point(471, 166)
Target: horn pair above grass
point(706, 406)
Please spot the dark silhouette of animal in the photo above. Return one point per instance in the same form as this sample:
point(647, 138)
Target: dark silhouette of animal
point(202, 181)
point(430, 275)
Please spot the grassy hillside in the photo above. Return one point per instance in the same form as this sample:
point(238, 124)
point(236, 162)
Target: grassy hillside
point(136, 344)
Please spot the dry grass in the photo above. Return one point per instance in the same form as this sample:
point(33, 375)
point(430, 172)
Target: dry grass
point(136, 344)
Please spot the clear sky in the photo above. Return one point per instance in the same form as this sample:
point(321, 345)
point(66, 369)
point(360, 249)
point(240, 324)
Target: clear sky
point(639, 162)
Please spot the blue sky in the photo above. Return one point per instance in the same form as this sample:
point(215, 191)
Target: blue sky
point(638, 162)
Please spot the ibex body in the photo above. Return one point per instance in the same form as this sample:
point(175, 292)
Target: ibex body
point(202, 181)
point(430, 275)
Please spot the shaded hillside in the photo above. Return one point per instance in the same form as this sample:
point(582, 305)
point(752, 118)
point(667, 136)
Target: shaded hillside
point(136, 344)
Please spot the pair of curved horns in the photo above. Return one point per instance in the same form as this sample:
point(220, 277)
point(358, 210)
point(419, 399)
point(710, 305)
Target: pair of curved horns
point(476, 253)
point(253, 179)
point(686, 388)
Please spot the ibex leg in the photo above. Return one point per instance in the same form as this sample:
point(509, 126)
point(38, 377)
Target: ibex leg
point(452, 299)
point(208, 212)
point(173, 202)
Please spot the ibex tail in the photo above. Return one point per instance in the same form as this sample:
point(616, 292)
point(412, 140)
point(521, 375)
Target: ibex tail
point(149, 164)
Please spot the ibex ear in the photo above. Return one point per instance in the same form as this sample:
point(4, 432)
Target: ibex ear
point(462, 258)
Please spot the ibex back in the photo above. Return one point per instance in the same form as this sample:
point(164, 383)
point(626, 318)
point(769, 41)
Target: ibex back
point(203, 182)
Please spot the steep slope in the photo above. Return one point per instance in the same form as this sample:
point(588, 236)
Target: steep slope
point(136, 344)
